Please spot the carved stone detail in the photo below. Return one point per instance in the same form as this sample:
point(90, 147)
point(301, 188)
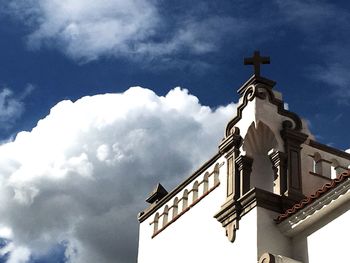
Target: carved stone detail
point(262, 88)
point(230, 147)
point(292, 141)
point(233, 140)
point(278, 160)
point(231, 230)
point(244, 169)
point(233, 210)
point(228, 216)
point(267, 258)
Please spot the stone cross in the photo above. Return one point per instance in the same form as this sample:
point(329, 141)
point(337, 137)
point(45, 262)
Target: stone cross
point(256, 60)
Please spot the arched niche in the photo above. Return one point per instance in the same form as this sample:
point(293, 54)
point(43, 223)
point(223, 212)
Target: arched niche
point(206, 182)
point(185, 200)
point(216, 174)
point(335, 168)
point(257, 143)
point(175, 207)
point(317, 163)
point(155, 223)
point(195, 191)
point(165, 216)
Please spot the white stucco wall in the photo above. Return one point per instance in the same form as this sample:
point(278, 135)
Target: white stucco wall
point(328, 243)
point(331, 243)
point(197, 236)
point(312, 182)
point(270, 239)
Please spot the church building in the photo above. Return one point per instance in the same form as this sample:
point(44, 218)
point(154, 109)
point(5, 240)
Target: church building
point(271, 193)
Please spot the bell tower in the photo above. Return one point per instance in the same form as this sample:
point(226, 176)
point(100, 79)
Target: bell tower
point(262, 147)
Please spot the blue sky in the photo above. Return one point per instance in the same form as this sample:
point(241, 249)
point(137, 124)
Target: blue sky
point(53, 51)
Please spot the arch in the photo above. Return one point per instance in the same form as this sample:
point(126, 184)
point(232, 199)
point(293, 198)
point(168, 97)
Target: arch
point(216, 174)
point(206, 182)
point(185, 200)
point(175, 207)
point(335, 169)
point(155, 223)
point(195, 191)
point(317, 163)
point(165, 215)
point(259, 140)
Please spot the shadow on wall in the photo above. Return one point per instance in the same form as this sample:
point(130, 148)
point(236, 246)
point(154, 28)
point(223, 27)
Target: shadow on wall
point(257, 143)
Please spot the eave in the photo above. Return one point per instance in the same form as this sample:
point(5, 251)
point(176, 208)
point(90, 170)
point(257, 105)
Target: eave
point(329, 202)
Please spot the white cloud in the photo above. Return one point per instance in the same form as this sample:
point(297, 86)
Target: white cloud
point(334, 73)
point(310, 14)
point(82, 174)
point(198, 36)
point(86, 30)
point(19, 255)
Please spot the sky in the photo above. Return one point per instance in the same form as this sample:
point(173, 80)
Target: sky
point(94, 93)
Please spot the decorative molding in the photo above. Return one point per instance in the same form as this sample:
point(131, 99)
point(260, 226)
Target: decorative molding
point(329, 149)
point(229, 216)
point(271, 258)
point(233, 210)
point(267, 258)
point(292, 144)
point(142, 216)
point(261, 88)
point(184, 211)
point(244, 169)
point(278, 160)
point(230, 147)
point(231, 141)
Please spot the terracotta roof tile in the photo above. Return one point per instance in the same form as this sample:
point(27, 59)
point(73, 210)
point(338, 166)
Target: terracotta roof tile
point(308, 200)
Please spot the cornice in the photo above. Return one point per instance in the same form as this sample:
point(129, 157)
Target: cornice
point(329, 149)
point(233, 210)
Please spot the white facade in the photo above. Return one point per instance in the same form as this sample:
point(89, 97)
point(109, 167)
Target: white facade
point(224, 212)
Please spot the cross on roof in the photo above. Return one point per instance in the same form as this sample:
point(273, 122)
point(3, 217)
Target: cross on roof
point(256, 60)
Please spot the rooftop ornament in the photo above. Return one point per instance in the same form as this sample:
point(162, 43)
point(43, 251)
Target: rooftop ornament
point(256, 60)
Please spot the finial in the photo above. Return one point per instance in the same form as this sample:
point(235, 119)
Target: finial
point(256, 60)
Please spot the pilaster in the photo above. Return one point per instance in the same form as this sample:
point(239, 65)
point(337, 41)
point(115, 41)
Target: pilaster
point(244, 169)
point(292, 143)
point(230, 147)
point(278, 160)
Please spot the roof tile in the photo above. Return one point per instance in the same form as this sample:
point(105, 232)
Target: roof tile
point(308, 200)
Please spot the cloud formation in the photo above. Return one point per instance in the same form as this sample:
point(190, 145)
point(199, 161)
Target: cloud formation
point(12, 106)
point(86, 30)
point(81, 175)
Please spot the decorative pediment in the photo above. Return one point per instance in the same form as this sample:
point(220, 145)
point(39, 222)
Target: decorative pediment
point(259, 87)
